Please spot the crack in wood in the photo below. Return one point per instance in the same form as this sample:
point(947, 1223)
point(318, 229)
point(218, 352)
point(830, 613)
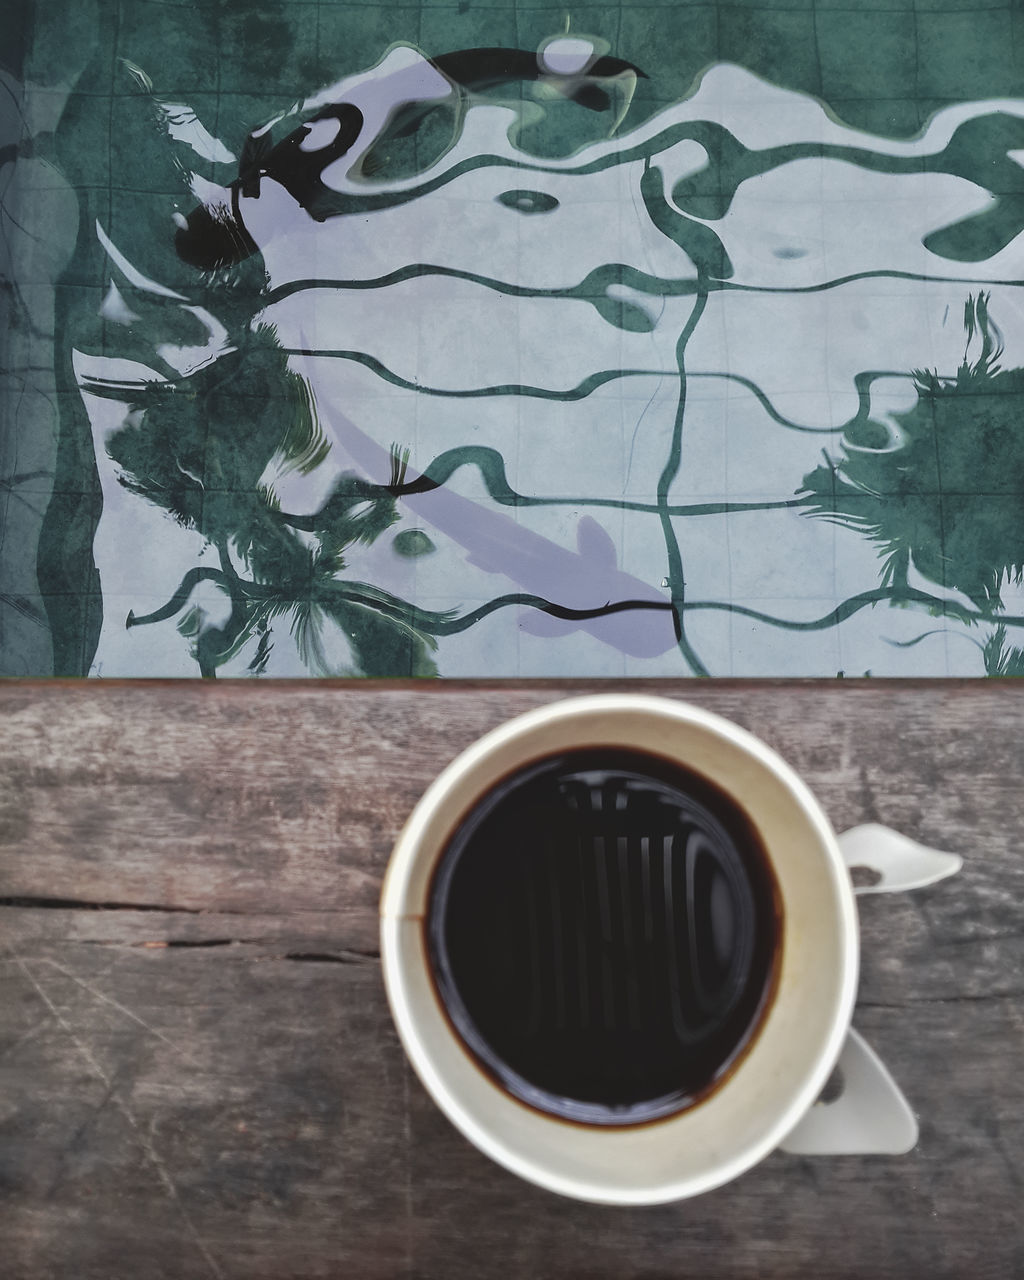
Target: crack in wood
point(347, 955)
point(198, 942)
point(34, 902)
point(77, 904)
point(331, 957)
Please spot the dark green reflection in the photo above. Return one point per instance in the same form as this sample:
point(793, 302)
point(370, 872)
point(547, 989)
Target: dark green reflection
point(948, 496)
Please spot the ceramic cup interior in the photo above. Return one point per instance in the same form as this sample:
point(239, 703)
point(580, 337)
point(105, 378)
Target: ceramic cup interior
point(799, 1033)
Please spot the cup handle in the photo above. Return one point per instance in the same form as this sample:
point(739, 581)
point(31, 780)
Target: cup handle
point(861, 1110)
point(888, 862)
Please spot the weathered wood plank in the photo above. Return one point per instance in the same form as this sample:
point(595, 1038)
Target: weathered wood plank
point(201, 1077)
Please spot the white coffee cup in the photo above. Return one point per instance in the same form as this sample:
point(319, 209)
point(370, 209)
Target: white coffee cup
point(795, 1043)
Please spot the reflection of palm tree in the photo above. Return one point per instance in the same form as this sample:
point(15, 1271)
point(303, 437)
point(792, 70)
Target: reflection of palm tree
point(190, 456)
point(1001, 659)
point(948, 495)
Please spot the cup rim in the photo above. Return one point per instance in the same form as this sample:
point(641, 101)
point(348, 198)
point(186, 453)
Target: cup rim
point(481, 1109)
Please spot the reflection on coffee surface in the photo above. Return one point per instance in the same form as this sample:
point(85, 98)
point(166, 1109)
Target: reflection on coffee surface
point(603, 930)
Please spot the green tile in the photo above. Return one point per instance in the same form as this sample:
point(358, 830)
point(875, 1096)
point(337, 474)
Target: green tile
point(178, 49)
point(967, 55)
point(964, 6)
point(472, 6)
point(354, 37)
point(536, 23)
point(768, 8)
point(856, 64)
point(443, 30)
point(858, 7)
point(266, 46)
point(684, 38)
point(779, 45)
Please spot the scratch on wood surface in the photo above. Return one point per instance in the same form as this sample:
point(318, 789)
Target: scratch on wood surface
point(148, 1149)
point(76, 1137)
point(115, 1004)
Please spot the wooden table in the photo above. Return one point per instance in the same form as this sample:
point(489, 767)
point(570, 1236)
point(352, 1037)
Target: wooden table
point(198, 1071)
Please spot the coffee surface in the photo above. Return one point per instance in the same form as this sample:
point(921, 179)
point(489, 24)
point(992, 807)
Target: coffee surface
point(603, 932)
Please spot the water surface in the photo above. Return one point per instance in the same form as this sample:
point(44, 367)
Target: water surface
point(533, 358)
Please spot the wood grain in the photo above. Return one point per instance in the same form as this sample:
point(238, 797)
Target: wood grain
point(198, 1072)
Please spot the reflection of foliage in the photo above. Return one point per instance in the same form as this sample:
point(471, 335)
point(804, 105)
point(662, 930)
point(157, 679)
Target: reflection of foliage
point(948, 495)
point(1001, 659)
point(200, 450)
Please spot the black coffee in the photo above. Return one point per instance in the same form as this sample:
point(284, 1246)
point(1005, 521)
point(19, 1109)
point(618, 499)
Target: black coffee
point(602, 931)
